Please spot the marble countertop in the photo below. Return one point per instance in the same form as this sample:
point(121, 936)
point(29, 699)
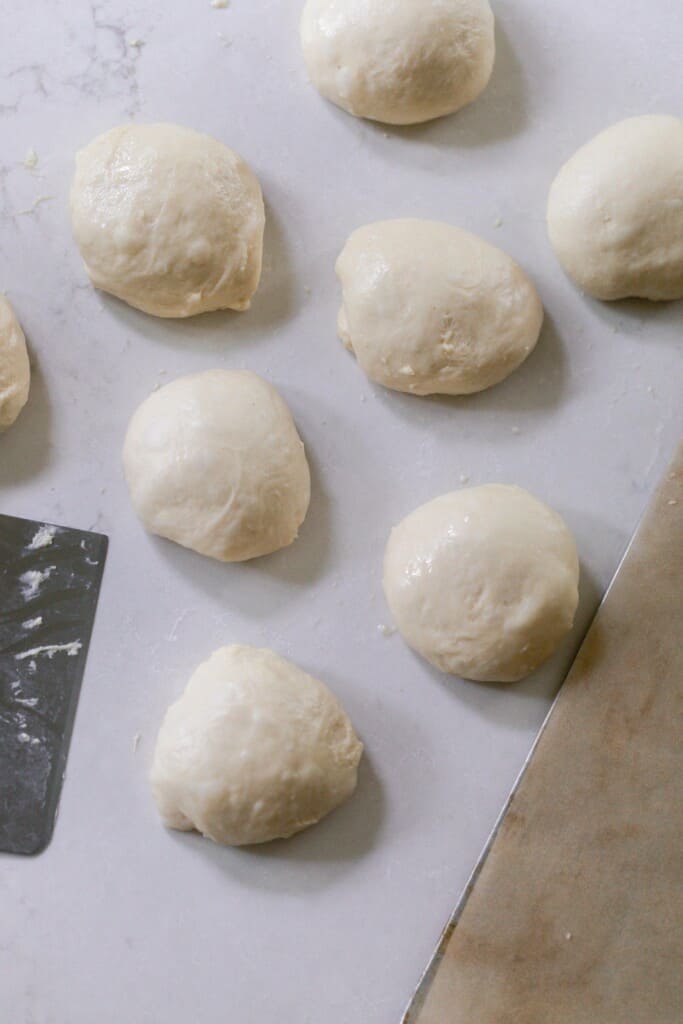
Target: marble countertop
point(119, 920)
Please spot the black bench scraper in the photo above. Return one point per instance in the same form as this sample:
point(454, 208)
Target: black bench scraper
point(49, 584)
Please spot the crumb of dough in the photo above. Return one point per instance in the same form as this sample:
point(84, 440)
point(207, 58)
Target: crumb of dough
point(498, 222)
point(135, 43)
point(43, 537)
point(31, 159)
point(220, 4)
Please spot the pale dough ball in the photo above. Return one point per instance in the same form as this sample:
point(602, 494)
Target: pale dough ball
point(615, 211)
point(483, 582)
point(214, 462)
point(399, 61)
point(168, 220)
point(430, 309)
point(254, 750)
point(15, 372)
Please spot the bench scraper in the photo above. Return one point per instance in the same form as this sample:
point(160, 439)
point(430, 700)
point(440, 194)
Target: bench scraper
point(49, 585)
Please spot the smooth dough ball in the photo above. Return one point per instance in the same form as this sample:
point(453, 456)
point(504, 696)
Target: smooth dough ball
point(483, 582)
point(254, 750)
point(399, 61)
point(430, 309)
point(168, 220)
point(15, 372)
point(214, 462)
point(615, 211)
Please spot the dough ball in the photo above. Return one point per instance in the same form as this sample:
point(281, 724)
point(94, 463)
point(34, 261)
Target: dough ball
point(615, 211)
point(430, 309)
point(168, 220)
point(399, 61)
point(254, 750)
point(214, 462)
point(15, 372)
point(483, 583)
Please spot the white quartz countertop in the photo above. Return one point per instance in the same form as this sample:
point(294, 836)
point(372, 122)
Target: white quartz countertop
point(120, 921)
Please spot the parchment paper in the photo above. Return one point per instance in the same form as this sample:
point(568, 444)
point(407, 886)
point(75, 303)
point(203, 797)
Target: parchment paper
point(577, 915)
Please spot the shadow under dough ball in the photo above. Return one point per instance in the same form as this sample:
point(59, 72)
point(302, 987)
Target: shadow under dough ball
point(430, 309)
point(214, 462)
point(483, 582)
point(398, 61)
point(615, 211)
point(254, 750)
point(169, 220)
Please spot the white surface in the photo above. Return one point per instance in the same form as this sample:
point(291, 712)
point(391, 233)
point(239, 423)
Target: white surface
point(118, 920)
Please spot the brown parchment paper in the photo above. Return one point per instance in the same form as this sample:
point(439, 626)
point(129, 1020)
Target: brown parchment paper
point(577, 914)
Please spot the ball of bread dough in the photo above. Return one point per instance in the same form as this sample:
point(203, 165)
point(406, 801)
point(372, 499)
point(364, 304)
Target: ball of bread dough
point(483, 582)
point(15, 372)
point(430, 309)
point(399, 61)
point(168, 220)
point(254, 750)
point(615, 211)
point(214, 462)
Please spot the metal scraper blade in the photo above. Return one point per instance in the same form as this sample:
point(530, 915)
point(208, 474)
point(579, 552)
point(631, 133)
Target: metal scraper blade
point(574, 914)
point(49, 585)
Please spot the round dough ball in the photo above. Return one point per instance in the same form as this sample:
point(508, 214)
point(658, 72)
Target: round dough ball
point(483, 582)
point(399, 61)
point(254, 750)
point(15, 372)
point(430, 309)
point(615, 211)
point(214, 462)
point(168, 220)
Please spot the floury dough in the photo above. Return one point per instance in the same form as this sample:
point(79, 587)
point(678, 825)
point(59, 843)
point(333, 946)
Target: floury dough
point(615, 211)
point(169, 220)
point(214, 462)
point(15, 372)
point(483, 582)
point(430, 309)
point(399, 61)
point(254, 750)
